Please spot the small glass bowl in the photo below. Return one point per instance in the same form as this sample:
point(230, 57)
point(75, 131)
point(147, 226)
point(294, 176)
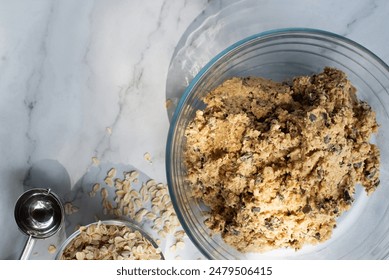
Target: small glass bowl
point(132, 226)
point(363, 231)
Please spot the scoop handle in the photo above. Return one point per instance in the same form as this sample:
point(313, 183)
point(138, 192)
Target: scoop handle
point(27, 248)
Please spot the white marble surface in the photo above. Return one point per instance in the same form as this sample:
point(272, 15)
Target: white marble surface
point(71, 69)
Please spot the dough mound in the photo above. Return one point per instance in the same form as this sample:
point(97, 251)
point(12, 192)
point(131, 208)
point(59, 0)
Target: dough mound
point(277, 164)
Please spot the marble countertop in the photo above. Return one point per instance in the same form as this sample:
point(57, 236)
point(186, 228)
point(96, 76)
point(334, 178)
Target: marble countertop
point(87, 79)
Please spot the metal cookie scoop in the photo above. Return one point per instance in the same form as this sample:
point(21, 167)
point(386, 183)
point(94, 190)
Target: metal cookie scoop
point(39, 214)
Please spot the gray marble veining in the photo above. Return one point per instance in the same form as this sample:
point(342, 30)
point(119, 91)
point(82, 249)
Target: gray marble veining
point(83, 79)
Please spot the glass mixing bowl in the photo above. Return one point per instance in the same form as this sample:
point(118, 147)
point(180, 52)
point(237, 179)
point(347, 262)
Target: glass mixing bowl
point(363, 231)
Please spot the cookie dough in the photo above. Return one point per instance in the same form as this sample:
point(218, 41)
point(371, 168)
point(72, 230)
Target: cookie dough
point(277, 163)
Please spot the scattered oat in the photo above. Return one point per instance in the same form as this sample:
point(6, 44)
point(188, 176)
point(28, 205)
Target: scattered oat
point(151, 216)
point(173, 248)
point(126, 210)
point(156, 201)
point(95, 161)
point(107, 204)
point(68, 207)
point(131, 176)
point(108, 181)
point(169, 205)
point(145, 198)
point(120, 193)
point(173, 218)
point(180, 245)
point(143, 190)
point(162, 233)
point(159, 193)
point(126, 185)
point(138, 203)
point(108, 130)
point(104, 193)
point(172, 228)
point(139, 215)
point(75, 209)
point(165, 199)
point(167, 223)
point(178, 257)
point(155, 209)
point(80, 256)
point(117, 212)
point(161, 208)
point(149, 201)
point(179, 234)
point(147, 157)
point(111, 173)
point(158, 222)
point(96, 187)
point(165, 214)
point(119, 184)
point(134, 193)
point(150, 183)
point(168, 103)
point(166, 229)
point(127, 197)
point(52, 249)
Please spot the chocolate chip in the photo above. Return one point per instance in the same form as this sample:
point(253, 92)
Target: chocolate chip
point(246, 81)
point(269, 224)
point(335, 149)
point(320, 174)
point(327, 139)
point(246, 156)
point(312, 117)
point(370, 174)
point(280, 196)
point(320, 205)
point(256, 209)
point(346, 196)
point(357, 165)
point(259, 179)
point(306, 209)
point(317, 235)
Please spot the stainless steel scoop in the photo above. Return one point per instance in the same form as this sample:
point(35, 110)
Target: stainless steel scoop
point(39, 214)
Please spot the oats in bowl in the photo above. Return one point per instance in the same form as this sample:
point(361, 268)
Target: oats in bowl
point(110, 240)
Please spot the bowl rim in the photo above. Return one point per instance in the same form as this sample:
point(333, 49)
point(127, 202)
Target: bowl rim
point(215, 59)
point(116, 222)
